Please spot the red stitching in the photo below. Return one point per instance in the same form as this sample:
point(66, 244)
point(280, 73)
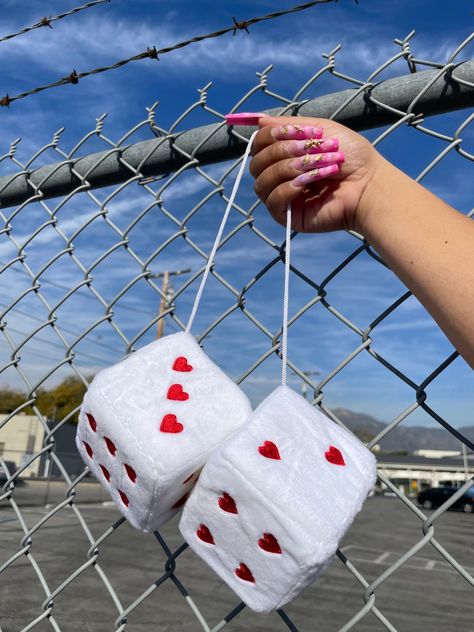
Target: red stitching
point(169, 423)
point(110, 446)
point(269, 543)
point(334, 455)
point(89, 450)
point(105, 472)
point(227, 503)
point(204, 534)
point(244, 572)
point(180, 502)
point(177, 393)
point(182, 364)
point(92, 422)
point(124, 498)
point(132, 475)
point(269, 450)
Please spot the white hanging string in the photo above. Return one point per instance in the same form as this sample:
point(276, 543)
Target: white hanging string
point(210, 260)
point(284, 334)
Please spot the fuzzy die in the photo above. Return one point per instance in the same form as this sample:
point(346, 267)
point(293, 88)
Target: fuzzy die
point(272, 505)
point(148, 424)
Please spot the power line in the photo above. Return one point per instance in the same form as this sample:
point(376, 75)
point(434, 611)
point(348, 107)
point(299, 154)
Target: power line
point(83, 293)
point(53, 344)
point(95, 340)
point(154, 53)
point(47, 21)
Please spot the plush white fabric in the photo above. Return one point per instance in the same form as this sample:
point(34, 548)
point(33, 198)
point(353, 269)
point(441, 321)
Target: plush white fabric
point(128, 403)
point(304, 502)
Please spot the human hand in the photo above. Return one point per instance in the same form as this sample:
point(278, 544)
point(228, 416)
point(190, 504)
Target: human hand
point(329, 199)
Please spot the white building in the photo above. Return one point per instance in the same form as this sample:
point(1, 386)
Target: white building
point(20, 438)
point(412, 473)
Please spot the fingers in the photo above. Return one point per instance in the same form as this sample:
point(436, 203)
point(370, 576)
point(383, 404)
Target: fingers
point(282, 194)
point(314, 175)
point(289, 158)
point(296, 169)
point(281, 150)
point(266, 137)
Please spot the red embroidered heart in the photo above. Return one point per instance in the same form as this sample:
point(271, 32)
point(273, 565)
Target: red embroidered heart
point(123, 497)
point(227, 503)
point(180, 502)
point(132, 475)
point(92, 422)
point(88, 449)
point(269, 543)
point(176, 392)
point(244, 572)
point(181, 364)
point(105, 472)
point(169, 423)
point(204, 534)
point(333, 455)
point(269, 450)
point(110, 446)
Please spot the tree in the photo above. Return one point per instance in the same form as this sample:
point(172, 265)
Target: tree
point(62, 399)
point(55, 403)
point(10, 399)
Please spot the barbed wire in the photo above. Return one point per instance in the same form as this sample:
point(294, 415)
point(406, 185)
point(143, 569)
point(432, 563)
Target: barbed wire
point(85, 578)
point(48, 21)
point(154, 53)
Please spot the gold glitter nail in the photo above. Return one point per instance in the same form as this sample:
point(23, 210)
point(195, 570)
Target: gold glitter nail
point(317, 157)
point(313, 142)
point(298, 128)
point(284, 130)
point(314, 172)
point(307, 159)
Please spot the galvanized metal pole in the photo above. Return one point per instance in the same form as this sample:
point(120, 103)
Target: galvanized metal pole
point(451, 90)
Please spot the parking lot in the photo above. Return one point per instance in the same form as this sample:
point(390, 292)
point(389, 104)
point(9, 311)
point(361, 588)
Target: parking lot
point(426, 593)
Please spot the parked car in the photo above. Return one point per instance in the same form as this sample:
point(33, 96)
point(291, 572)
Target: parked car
point(12, 468)
point(436, 496)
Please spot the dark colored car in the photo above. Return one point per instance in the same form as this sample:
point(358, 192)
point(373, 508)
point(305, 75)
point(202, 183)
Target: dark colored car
point(12, 468)
point(436, 496)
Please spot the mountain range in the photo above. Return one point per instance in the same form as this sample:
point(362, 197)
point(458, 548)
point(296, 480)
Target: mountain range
point(402, 437)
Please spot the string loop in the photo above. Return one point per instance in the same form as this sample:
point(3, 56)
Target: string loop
point(284, 333)
point(210, 262)
point(212, 255)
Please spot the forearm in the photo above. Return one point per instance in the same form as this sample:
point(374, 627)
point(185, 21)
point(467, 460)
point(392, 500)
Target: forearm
point(428, 245)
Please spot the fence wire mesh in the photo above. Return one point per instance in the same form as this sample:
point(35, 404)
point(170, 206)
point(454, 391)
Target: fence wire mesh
point(66, 309)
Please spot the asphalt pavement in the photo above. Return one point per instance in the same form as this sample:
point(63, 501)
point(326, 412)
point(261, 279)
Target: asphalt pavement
point(425, 594)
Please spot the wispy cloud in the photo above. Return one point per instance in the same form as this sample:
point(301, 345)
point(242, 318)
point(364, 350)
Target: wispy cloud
point(89, 43)
point(318, 340)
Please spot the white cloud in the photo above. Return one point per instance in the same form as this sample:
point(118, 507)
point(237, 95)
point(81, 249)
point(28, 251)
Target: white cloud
point(90, 44)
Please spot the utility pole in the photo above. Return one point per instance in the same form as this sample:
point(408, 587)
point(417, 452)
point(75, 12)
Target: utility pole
point(465, 461)
point(304, 386)
point(166, 294)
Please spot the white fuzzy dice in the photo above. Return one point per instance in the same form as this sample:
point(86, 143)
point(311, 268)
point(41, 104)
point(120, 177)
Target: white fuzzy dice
point(272, 505)
point(147, 426)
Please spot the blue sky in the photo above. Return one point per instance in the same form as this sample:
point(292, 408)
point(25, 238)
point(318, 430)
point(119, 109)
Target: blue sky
point(293, 44)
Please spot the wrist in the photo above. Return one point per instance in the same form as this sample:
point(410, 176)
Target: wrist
point(379, 177)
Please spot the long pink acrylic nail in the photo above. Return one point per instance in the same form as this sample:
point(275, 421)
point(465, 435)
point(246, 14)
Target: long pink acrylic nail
point(243, 118)
point(312, 161)
point(313, 146)
point(293, 132)
point(314, 175)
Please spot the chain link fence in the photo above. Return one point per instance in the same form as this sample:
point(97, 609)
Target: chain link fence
point(91, 239)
